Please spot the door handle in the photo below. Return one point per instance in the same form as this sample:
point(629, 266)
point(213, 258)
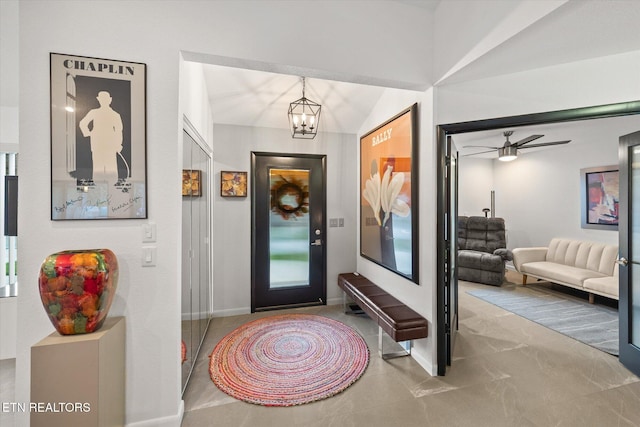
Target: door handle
point(317, 242)
point(622, 261)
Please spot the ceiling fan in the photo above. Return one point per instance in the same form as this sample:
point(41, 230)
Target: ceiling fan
point(509, 151)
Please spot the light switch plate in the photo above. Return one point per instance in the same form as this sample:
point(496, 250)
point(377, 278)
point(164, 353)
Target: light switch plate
point(149, 256)
point(149, 232)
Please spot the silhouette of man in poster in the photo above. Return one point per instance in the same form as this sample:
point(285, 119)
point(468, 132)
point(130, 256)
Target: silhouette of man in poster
point(106, 138)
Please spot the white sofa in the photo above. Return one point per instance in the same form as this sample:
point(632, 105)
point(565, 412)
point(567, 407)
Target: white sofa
point(588, 266)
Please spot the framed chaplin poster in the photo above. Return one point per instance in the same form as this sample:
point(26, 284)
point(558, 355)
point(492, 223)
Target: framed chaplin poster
point(389, 194)
point(98, 138)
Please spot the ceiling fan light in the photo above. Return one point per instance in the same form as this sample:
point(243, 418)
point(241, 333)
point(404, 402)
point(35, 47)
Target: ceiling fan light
point(507, 154)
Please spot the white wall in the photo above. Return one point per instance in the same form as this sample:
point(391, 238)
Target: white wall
point(9, 129)
point(194, 101)
point(144, 32)
point(479, 34)
point(8, 330)
point(421, 297)
point(139, 31)
point(475, 183)
point(538, 194)
point(8, 143)
point(9, 45)
point(147, 297)
point(527, 206)
point(196, 110)
point(232, 216)
point(599, 81)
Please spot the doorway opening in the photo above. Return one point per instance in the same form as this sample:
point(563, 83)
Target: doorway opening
point(446, 281)
point(288, 223)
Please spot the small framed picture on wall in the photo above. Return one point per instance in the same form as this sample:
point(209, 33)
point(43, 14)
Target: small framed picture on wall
point(600, 191)
point(233, 184)
point(191, 183)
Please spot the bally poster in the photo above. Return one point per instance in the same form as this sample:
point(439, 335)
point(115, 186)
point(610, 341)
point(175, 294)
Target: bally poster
point(389, 195)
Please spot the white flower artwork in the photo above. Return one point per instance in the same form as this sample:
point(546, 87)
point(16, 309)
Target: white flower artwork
point(383, 193)
point(389, 195)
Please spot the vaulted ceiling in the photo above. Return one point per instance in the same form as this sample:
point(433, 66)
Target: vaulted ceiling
point(463, 40)
point(579, 133)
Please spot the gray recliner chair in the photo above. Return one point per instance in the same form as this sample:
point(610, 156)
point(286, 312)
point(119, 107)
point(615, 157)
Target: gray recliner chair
point(482, 250)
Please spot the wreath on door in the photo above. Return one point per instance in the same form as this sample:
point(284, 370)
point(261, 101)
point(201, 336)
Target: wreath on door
point(289, 198)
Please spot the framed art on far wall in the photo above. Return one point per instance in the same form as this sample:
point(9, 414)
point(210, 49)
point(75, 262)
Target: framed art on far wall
point(389, 194)
point(191, 183)
point(233, 184)
point(98, 138)
point(599, 189)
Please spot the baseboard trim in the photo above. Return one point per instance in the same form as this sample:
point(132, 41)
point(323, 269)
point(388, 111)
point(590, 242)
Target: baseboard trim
point(247, 310)
point(194, 316)
point(334, 301)
point(422, 361)
point(231, 312)
point(170, 421)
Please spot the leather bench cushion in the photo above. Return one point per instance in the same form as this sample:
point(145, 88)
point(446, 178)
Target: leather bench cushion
point(359, 289)
point(405, 334)
point(366, 305)
point(362, 302)
point(398, 320)
point(395, 318)
point(402, 323)
point(385, 301)
point(558, 272)
point(368, 291)
point(374, 300)
point(353, 280)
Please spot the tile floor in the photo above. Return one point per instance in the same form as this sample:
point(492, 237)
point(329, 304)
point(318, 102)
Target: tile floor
point(507, 371)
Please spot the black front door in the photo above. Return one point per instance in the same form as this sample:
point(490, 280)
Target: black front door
point(288, 231)
point(629, 263)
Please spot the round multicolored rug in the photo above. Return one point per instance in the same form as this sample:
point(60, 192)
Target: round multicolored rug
point(288, 360)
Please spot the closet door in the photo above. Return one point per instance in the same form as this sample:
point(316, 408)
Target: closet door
point(196, 250)
point(201, 242)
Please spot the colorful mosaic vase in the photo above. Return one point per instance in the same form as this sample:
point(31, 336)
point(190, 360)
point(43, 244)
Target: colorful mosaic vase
point(77, 288)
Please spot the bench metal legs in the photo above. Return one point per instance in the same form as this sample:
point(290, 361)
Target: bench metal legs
point(406, 347)
point(344, 302)
point(348, 309)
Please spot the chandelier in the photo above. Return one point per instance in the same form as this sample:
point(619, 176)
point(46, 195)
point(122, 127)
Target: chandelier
point(304, 116)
